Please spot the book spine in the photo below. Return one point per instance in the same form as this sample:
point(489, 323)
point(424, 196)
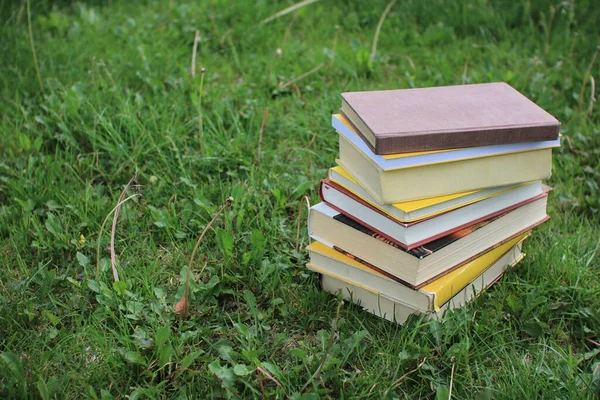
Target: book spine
point(453, 140)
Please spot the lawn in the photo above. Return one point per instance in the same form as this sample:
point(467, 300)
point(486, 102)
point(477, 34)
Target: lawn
point(108, 95)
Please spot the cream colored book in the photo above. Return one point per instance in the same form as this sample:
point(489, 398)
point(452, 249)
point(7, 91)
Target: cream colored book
point(432, 180)
point(421, 265)
point(478, 274)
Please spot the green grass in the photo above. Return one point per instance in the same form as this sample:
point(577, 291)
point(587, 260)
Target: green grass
point(118, 99)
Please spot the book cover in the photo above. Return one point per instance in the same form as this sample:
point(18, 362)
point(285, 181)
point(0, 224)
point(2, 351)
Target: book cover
point(449, 117)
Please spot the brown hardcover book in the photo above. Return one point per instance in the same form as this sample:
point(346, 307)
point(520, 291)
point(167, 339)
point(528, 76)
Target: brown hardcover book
point(448, 117)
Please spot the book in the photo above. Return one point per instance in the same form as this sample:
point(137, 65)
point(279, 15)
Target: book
point(392, 309)
point(408, 120)
point(433, 180)
point(406, 160)
point(416, 233)
point(409, 211)
point(479, 273)
point(421, 265)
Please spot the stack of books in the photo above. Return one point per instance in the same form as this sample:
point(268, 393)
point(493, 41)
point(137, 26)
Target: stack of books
point(433, 194)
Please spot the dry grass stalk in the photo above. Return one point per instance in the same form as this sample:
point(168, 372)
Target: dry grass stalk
point(312, 139)
point(286, 34)
point(261, 373)
point(464, 75)
point(592, 97)
point(262, 386)
point(35, 62)
point(587, 75)
point(288, 10)
point(113, 256)
point(334, 47)
point(182, 306)
point(297, 90)
point(451, 379)
point(573, 149)
point(119, 204)
point(398, 381)
point(304, 75)
point(6, 291)
point(587, 339)
point(378, 30)
point(200, 115)
point(262, 130)
point(269, 376)
point(194, 54)
point(410, 60)
point(307, 201)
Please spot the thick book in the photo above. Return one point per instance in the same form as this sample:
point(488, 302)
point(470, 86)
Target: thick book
point(415, 210)
point(392, 309)
point(478, 273)
point(448, 117)
point(414, 234)
point(390, 162)
point(433, 180)
point(419, 266)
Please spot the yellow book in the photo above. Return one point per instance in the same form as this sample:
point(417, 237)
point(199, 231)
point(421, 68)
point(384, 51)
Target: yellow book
point(409, 211)
point(469, 279)
point(434, 180)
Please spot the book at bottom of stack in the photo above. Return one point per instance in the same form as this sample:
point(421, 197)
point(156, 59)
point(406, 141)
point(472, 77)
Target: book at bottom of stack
point(385, 297)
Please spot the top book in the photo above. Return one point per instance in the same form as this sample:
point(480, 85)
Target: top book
point(447, 117)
